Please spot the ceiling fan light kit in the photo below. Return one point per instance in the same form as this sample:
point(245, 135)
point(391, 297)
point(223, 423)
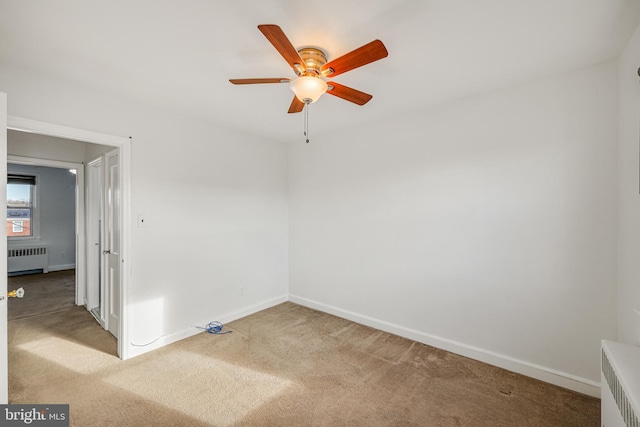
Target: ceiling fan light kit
point(308, 89)
point(311, 68)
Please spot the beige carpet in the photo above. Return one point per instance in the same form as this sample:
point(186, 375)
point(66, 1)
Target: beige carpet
point(284, 366)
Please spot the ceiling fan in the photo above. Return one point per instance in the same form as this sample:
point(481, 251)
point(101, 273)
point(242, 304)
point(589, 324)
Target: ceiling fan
point(312, 68)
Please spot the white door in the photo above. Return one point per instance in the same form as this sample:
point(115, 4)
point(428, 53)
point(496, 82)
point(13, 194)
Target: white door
point(4, 369)
point(111, 243)
point(94, 239)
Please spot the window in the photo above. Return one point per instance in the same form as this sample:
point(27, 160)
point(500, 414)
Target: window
point(17, 226)
point(20, 196)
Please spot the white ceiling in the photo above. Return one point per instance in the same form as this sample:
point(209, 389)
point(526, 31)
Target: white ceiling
point(179, 55)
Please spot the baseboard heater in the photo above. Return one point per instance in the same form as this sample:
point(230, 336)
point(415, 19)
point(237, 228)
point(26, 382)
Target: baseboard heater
point(620, 385)
point(28, 259)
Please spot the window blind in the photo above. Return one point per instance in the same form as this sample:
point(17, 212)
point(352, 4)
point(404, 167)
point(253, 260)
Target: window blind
point(21, 179)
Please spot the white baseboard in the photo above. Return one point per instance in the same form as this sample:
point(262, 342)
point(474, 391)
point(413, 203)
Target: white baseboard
point(61, 267)
point(136, 349)
point(246, 311)
point(542, 373)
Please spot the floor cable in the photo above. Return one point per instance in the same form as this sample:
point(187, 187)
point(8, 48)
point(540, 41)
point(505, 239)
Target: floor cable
point(214, 327)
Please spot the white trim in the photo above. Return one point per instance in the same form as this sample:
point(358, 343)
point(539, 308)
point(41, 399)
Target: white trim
point(124, 342)
point(542, 373)
point(124, 144)
point(42, 128)
point(139, 349)
point(20, 160)
point(4, 333)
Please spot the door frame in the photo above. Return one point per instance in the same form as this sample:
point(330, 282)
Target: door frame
point(80, 261)
point(4, 333)
point(124, 144)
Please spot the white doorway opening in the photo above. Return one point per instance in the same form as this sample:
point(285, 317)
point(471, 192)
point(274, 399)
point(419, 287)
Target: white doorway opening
point(78, 262)
point(123, 147)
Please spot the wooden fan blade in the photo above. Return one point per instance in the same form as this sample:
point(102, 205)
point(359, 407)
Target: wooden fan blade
point(256, 81)
point(363, 55)
point(296, 105)
point(348, 93)
point(279, 40)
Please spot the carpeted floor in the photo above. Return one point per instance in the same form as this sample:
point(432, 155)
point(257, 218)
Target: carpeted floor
point(284, 366)
point(43, 293)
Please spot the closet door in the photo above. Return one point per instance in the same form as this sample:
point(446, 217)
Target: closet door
point(94, 239)
point(111, 243)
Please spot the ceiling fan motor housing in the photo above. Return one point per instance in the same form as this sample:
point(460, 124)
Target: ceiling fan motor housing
point(314, 58)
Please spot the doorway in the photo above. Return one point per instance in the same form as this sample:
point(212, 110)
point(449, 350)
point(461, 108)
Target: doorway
point(42, 215)
point(56, 215)
point(122, 146)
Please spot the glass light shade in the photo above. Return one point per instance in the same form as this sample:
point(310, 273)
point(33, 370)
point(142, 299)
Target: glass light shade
point(307, 87)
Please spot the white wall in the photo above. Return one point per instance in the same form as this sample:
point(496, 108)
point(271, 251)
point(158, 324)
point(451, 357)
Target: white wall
point(56, 201)
point(629, 193)
point(32, 145)
point(215, 201)
point(487, 226)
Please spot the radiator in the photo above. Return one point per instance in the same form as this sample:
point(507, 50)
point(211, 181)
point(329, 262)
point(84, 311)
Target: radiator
point(28, 258)
point(620, 385)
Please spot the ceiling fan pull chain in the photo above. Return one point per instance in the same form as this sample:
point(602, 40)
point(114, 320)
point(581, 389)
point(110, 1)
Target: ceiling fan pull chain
point(306, 121)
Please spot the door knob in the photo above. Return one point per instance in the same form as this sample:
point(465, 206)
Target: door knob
point(17, 293)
